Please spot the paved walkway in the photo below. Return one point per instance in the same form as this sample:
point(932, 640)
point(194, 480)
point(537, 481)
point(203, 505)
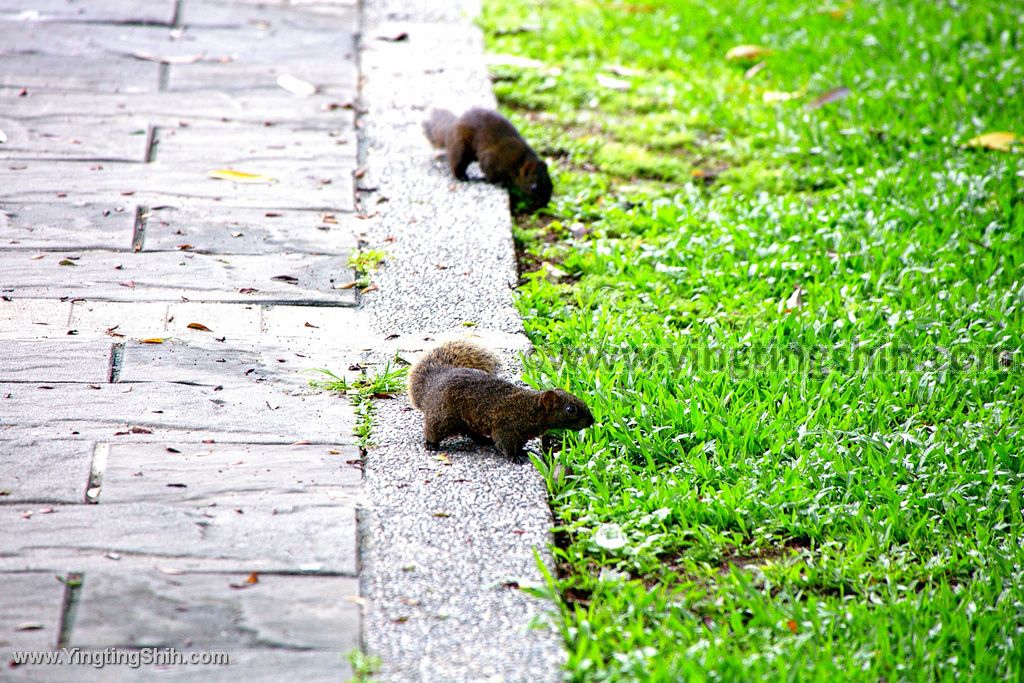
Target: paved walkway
point(146, 484)
point(167, 477)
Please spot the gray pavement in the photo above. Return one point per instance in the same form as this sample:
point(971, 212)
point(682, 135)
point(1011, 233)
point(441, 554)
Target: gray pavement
point(167, 477)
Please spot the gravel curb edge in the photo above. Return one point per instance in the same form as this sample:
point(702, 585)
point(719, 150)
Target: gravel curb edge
point(444, 543)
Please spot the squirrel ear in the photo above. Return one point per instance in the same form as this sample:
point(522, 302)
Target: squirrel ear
point(528, 167)
point(549, 399)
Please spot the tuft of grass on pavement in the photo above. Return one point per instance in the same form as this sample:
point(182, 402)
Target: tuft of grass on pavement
point(792, 294)
point(382, 383)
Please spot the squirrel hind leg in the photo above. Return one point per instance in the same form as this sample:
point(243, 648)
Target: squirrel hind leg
point(479, 439)
point(460, 152)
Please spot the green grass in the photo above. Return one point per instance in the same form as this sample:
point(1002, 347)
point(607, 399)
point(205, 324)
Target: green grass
point(382, 383)
point(799, 328)
point(366, 262)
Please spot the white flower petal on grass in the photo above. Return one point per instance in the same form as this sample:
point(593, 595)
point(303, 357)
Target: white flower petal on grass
point(609, 537)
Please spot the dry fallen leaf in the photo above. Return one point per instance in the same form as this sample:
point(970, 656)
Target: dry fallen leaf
point(747, 52)
point(791, 625)
point(620, 70)
point(176, 59)
point(838, 12)
point(66, 262)
point(770, 96)
point(170, 571)
point(1001, 141)
point(153, 340)
point(241, 176)
point(833, 95)
point(28, 626)
point(296, 86)
point(249, 582)
point(347, 285)
point(445, 460)
point(613, 83)
point(553, 273)
point(199, 326)
point(754, 70)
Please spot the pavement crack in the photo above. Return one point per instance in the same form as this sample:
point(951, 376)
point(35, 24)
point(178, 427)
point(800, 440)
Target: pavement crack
point(69, 607)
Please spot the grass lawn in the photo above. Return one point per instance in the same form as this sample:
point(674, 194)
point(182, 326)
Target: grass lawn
point(792, 294)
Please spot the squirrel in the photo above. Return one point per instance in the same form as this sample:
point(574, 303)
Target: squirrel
point(456, 386)
point(486, 136)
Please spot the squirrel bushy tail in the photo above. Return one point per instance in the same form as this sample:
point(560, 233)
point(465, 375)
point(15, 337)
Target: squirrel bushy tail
point(458, 353)
point(437, 126)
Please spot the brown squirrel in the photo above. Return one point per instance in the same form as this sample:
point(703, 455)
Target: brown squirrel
point(486, 136)
point(457, 388)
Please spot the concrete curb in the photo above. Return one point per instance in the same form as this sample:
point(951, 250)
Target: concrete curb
point(446, 541)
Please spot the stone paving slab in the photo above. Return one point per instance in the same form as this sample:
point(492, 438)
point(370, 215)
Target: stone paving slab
point(53, 72)
point(66, 226)
point(122, 11)
point(187, 145)
point(44, 361)
point(170, 276)
point(331, 15)
point(234, 414)
point(207, 472)
point(29, 613)
point(296, 185)
point(255, 53)
point(229, 230)
point(89, 138)
point(137, 320)
point(234, 323)
point(164, 472)
point(285, 612)
point(99, 40)
point(177, 361)
point(42, 471)
point(185, 536)
point(191, 363)
point(32, 317)
point(280, 108)
point(320, 327)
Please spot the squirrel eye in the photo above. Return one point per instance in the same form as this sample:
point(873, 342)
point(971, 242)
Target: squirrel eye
point(571, 409)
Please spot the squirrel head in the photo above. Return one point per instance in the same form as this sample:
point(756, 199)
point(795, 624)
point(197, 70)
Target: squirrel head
point(533, 181)
point(565, 411)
